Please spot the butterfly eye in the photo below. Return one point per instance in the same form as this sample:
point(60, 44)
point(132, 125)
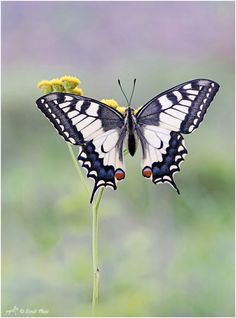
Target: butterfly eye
point(147, 172)
point(119, 174)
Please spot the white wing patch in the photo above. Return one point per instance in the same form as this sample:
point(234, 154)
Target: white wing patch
point(185, 103)
point(111, 140)
point(176, 113)
point(178, 95)
point(78, 118)
point(155, 144)
point(84, 122)
point(93, 109)
point(106, 145)
point(79, 105)
point(168, 119)
point(165, 102)
point(107, 140)
point(91, 129)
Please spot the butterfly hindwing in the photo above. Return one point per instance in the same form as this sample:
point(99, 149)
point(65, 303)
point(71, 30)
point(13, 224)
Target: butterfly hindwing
point(163, 151)
point(97, 128)
point(162, 120)
point(105, 167)
point(175, 153)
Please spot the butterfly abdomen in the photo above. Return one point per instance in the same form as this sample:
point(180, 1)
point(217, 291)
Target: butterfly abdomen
point(131, 133)
point(131, 144)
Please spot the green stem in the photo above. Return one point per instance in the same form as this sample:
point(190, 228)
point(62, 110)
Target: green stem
point(95, 208)
point(95, 251)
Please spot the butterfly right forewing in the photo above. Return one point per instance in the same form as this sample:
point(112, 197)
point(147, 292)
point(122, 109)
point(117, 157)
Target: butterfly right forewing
point(181, 108)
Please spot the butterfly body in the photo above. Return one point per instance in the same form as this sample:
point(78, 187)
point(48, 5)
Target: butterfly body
point(131, 131)
point(102, 132)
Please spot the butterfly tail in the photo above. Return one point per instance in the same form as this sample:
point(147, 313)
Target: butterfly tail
point(173, 184)
point(93, 193)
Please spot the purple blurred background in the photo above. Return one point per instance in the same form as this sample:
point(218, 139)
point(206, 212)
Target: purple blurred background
point(101, 32)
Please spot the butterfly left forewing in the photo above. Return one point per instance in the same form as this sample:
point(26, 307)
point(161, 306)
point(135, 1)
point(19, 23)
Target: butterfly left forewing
point(97, 128)
point(79, 119)
point(162, 120)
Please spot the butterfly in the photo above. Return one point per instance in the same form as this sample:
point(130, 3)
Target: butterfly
point(103, 132)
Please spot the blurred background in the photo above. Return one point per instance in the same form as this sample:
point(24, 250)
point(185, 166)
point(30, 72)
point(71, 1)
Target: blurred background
point(160, 254)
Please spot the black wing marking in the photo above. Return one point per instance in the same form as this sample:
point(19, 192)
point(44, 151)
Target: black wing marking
point(97, 128)
point(162, 120)
point(180, 108)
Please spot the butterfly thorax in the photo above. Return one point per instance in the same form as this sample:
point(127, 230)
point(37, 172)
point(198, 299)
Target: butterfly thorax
point(130, 125)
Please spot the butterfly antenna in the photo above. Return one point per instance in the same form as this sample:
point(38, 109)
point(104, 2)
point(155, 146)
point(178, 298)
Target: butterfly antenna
point(132, 92)
point(123, 92)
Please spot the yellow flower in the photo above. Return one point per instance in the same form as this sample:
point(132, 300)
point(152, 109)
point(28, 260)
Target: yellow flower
point(78, 91)
point(113, 104)
point(57, 85)
point(110, 102)
point(56, 81)
point(45, 86)
point(69, 82)
point(136, 110)
point(121, 109)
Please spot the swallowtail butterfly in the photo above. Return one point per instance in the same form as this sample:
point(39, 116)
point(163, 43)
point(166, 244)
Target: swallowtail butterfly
point(102, 132)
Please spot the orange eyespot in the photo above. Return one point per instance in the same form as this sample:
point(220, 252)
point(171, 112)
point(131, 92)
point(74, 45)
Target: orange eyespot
point(119, 174)
point(147, 172)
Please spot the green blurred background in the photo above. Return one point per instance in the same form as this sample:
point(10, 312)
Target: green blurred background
point(160, 254)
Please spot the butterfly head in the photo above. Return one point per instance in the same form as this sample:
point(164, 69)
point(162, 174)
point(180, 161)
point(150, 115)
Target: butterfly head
point(129, 111)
